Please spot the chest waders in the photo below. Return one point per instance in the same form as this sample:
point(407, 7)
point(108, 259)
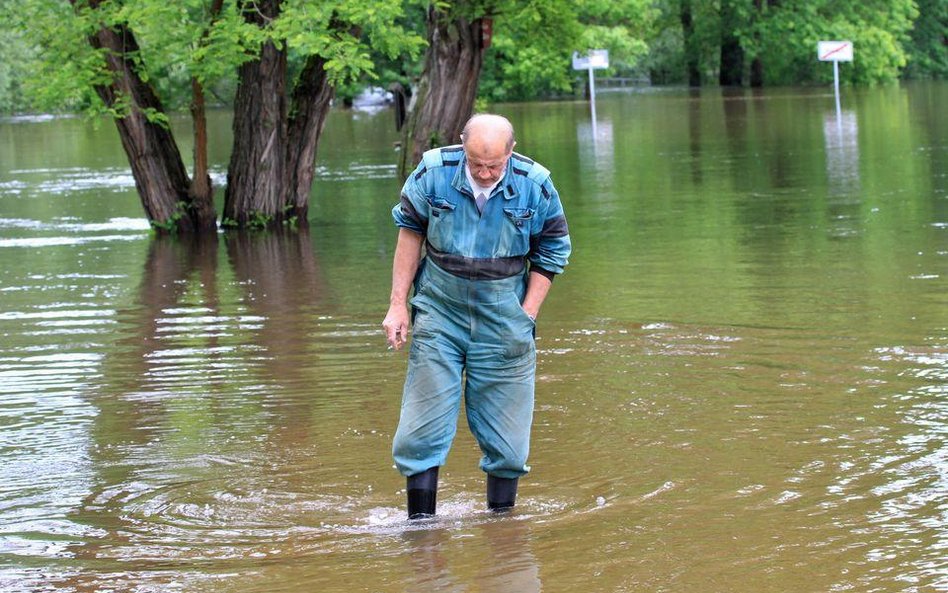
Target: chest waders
point(471, 338)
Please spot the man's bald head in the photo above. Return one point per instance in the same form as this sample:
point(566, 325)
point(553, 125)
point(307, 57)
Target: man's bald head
point(488, 128)
point(488, 143)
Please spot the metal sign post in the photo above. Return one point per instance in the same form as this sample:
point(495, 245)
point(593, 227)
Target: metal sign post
point(836, 52)
point(595, 59)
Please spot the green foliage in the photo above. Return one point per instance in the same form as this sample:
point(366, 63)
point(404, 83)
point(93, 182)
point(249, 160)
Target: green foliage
point(534, 41)
point(783, 36)
point(15, 59)
point(789, 35)
point(258, 221)
point(391, 68)
point(46, 62)
point(67, 69)
point(180, 40)
point(619, 26)
point(171, 224)
point(928, 46)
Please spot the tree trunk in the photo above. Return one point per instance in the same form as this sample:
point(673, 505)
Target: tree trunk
point(312, 99)
point(160, 176)
point(757, 73)
point(732, 54)
point(732, 62)
point(201, 190)
point(448, 87)
point(757, 64)
point(692, 54)
point(256, 175)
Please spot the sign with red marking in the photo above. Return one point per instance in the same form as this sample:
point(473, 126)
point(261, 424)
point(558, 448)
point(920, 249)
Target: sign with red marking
point(835, 51)
point(596, 59)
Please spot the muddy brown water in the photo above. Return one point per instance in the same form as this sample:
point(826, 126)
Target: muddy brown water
point(742, 375)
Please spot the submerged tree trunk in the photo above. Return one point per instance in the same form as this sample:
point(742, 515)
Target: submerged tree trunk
point(312, 98)
point(757, 73)
point(257, 170)
point(448, 87)
point(732, 53)
point(732, 62)
point(160, 176)
point(273, 160)
point(202, 190)
point(256, 175)
point(757, 64)
point(692, 54)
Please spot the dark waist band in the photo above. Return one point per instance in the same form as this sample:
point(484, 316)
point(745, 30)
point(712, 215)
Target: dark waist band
point(477, 268)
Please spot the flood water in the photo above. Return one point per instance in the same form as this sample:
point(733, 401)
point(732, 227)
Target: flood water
point(742, 382)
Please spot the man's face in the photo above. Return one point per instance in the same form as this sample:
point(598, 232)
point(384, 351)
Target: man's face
point(487, 160)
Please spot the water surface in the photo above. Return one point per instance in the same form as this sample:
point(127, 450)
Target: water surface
point(742, 375)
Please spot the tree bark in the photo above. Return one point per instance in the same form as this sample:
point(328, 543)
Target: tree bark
point(732, 53)
point(256, 175)
point(312, 99)
point(160, 176)
point(202, 190)
point(757, 64)
point(692, 54)
point(448, 87)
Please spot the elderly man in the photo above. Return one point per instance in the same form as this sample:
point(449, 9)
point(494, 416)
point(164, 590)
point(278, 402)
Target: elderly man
point(494, 235)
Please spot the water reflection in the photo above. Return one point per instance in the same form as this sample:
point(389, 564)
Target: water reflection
point(501, 553)
point(841, 133)
point(596, 148)
point(191, 439)
point(283, 286)
point(694, 136)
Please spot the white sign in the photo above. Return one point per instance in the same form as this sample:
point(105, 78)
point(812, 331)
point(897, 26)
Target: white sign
point(596, 59)
point(835, 51)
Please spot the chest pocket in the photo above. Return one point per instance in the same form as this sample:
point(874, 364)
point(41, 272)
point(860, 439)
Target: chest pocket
point(440, 222)
point(515, 236)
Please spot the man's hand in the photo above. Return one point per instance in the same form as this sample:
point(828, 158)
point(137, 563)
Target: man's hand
point(538, 286)
point(396, 326)
point(404, 266)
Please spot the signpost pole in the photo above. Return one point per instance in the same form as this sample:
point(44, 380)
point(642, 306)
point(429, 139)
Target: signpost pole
point(839, 111)
point(593, 60)
point(592, 99)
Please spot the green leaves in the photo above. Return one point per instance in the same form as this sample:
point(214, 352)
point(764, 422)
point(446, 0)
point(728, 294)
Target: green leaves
point(534, 41)
point(46, 61)
point(789, 32)
point(182, 39)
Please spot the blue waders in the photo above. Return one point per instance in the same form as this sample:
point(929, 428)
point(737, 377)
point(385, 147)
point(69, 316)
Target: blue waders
point(477, 331)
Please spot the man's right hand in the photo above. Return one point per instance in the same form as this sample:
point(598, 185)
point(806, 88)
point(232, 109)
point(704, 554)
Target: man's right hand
point(396, 326)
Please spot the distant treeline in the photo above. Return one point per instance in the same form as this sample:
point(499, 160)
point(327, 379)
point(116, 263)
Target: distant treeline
point(696, 42)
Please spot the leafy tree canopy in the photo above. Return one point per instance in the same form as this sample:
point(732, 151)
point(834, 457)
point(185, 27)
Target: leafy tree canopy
point(183, 39)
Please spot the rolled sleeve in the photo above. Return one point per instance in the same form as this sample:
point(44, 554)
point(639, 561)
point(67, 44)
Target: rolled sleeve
point(551, 245)
point(411, 212)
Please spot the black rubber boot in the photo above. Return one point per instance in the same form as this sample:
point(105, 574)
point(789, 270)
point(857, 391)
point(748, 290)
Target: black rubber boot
point(501, 493)
point(422, 494)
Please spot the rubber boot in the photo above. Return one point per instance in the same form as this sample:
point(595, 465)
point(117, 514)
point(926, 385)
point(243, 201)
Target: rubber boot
point(501, 493)
point(422, 493)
